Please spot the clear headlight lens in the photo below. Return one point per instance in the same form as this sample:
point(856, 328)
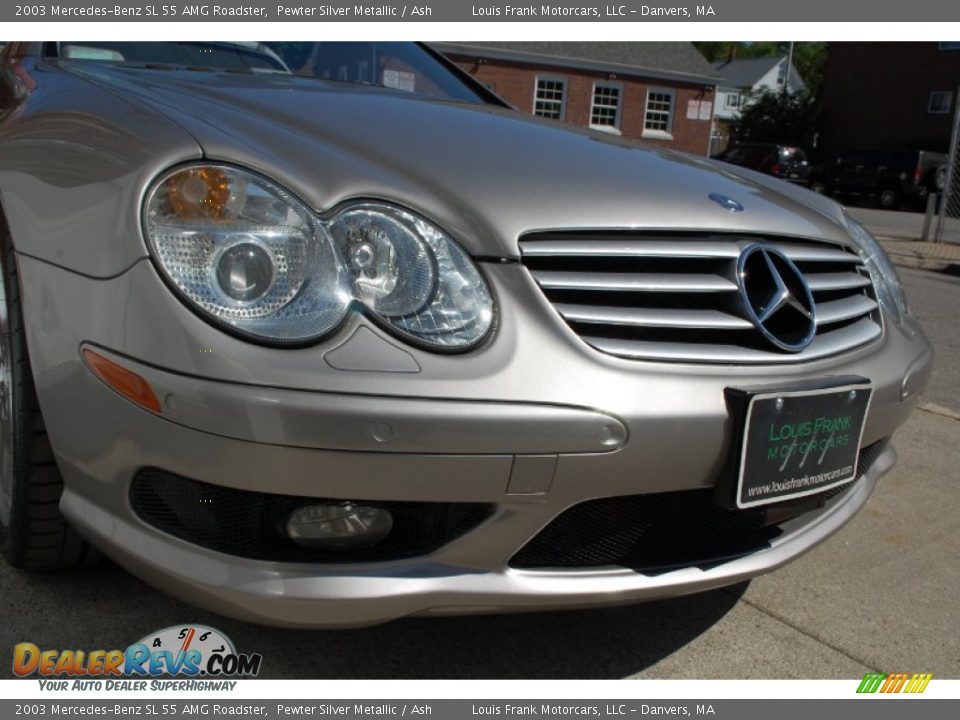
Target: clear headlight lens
point(884, 275)
point(392, 269)
point(413, 276)
point(249, 255)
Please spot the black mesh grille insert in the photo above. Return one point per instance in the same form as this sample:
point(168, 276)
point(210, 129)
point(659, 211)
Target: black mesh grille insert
point(250, 524)
point(657, 531)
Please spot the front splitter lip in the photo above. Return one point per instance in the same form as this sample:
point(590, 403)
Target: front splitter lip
point(329, 596)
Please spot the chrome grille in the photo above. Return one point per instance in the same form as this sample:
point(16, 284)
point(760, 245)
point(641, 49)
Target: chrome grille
point(675, 296)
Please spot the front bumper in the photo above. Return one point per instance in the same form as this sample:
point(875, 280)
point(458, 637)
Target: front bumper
point(532, 427)
point(298, 596)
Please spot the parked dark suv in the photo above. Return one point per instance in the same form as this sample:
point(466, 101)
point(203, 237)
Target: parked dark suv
point(892, 176)
point(782, 161)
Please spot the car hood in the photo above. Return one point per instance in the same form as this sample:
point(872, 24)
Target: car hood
point(487, 174)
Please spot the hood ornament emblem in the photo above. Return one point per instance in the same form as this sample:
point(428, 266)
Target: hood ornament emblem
point(776, 297)
point(727, 203)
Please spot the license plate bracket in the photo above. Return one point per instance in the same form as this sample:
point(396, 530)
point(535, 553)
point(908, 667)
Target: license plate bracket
point(793, 441)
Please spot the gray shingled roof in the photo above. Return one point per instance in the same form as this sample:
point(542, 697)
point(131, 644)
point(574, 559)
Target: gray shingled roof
point(744, 72)
point(674, 60)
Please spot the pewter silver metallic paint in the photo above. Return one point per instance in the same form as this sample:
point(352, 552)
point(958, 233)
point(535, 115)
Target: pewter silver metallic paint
point(76, 157)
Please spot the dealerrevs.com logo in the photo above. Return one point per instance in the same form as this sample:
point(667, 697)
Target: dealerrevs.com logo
point(189, 651)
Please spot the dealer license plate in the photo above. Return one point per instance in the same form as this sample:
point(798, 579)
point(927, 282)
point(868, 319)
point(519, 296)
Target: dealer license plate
point(800, 443)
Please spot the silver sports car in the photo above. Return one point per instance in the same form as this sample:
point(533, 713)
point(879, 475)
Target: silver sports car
point(320, 334)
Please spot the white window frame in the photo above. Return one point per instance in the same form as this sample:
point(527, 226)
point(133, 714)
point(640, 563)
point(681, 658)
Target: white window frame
point(618, 111)
point(735, 96)
point(562, 79)
point(945, 95)
point(671, 115)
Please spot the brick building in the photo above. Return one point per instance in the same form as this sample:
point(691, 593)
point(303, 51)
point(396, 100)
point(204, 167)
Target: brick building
point(658, 92)
point(889, 94)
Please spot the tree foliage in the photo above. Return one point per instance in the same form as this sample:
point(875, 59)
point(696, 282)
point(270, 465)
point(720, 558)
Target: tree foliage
point(810, 58)
point(783, 118)
point(720, 50)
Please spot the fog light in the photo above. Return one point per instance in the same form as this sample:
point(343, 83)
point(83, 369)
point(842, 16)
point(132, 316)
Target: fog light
point(338, 527)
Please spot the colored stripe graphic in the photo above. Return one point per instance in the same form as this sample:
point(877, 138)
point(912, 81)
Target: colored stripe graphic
point(894, 683)
point(871, 682)
point(920, 684)
point(901, 679)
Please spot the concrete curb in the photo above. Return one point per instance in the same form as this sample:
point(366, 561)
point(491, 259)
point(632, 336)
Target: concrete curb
point(939, 410)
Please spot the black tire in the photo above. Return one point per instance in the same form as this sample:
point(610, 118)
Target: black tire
point(35, 536)
point(889, 198)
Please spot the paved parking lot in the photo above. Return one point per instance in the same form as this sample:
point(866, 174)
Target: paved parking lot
point(881, 595)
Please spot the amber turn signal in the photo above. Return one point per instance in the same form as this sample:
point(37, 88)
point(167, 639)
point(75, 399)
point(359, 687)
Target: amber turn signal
point(126, 382)
point(199, 192)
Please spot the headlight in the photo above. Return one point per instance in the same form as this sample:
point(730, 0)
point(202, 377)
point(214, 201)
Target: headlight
point(885, 279)
point(250, 256)
point(246, 253)
point(412, 276)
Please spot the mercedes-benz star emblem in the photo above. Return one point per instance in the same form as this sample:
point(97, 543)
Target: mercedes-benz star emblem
point(776, 297)
point(727, 203)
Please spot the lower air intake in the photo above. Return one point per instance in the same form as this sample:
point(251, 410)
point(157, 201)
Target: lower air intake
point(657, 532)
point(251, 524)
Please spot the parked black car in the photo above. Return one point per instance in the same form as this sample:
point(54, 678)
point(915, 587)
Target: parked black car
point(890, 175)
point(782, 161)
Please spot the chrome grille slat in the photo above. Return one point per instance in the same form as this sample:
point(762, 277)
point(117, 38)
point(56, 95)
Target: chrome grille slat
point(824, 345)
point(647, 317)
point(846, 308)
point(807, 253)
point(632, 282)
point(629, 248)
point(819, 282)
point(675, 297)
point(585, 247)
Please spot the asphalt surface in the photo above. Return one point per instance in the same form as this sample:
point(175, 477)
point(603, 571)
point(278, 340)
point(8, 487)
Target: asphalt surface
point(880, 595)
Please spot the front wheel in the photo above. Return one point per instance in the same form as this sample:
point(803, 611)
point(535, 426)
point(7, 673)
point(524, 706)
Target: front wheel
point(33, 533)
